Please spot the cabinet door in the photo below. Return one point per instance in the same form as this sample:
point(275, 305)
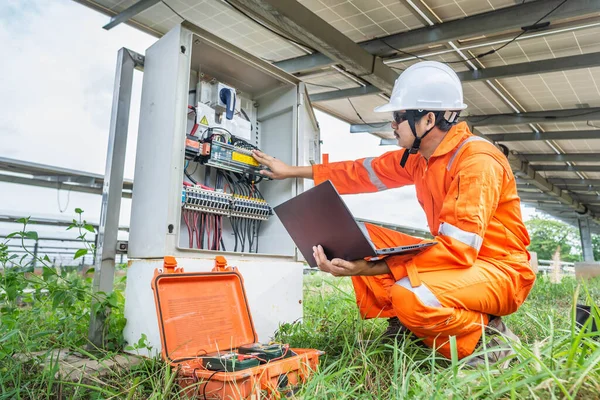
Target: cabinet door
point(309, 141)
point(309, 135)
point(160, 148)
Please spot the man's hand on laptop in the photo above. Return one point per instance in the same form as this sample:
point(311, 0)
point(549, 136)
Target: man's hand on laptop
point(339, 267)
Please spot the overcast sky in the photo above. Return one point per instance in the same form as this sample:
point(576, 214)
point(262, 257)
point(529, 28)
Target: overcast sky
point(57, 75)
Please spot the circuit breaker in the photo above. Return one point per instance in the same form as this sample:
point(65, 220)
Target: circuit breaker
point(198, 191)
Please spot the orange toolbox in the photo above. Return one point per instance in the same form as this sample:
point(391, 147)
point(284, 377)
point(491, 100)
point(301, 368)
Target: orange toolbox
point(207, 334)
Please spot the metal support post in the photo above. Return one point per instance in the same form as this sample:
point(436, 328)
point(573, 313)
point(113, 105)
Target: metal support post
point(586, 239)
point(111, 191)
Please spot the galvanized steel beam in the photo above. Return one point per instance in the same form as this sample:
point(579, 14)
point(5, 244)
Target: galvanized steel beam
point(574, 157)
point(130, 12)
point(550, 116)
point(567, 168)
point(585, 235)
point(504, 71)
point(530, 136)
point(508, 18)
point(297, 21)
point(574, 182)
point(587, 198)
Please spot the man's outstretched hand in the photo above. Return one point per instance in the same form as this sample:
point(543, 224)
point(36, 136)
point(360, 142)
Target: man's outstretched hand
point(278, 169)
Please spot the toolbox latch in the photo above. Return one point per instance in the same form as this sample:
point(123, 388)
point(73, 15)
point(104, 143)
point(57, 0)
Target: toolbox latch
point(170, 265)
point(221, 265)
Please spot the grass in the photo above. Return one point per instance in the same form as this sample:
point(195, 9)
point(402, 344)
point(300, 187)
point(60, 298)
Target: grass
point(556, 359)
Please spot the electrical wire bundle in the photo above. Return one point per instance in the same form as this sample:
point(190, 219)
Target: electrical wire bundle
point(205, 228)
point(245, 229)
point(234, 195)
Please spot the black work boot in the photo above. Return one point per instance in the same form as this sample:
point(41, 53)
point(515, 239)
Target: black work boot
point(499, 347)
point(394, 329)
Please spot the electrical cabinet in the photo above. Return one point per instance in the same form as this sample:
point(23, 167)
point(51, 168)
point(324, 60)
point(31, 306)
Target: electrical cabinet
point(198, 192)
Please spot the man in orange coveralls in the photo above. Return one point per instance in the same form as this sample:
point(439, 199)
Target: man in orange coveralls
point(479, 270)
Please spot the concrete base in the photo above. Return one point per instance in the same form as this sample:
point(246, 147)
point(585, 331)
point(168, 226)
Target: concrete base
point(76, 367)
point(587, 270)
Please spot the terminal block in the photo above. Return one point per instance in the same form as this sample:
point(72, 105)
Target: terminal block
point(209, 201)
point(246, 207)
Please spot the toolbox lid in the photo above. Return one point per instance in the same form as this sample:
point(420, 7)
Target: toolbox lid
point(201, 313)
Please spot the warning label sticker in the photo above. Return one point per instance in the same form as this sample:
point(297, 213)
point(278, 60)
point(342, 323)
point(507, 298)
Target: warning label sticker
point(204, 121)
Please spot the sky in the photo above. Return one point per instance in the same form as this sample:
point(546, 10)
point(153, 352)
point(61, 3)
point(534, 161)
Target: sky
point(57, 76)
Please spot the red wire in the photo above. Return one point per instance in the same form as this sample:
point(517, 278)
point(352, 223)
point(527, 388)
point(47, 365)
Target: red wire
point(220, 228)
point(187, 223)
point(202, 229)
point(195, 216)
point(218, 219)
point(208, 230)
point(216, 234)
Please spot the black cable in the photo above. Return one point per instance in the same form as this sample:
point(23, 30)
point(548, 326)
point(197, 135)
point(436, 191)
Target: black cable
point(250, 235)
point(242, 233)
point(218, 128)
point(235, 232)
point(245, 115)
point(323, 86)
point(195, 168)
point(361, 118)
point(190, 178)
point(487, 53)
point(268, 28)
point(206, 384)
point(206, 175)
point(171, 8)
point(257, 231)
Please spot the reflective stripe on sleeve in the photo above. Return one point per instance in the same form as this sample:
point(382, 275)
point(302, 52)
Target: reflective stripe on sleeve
point(468, 238)
point(372, 175)
point(471, 139)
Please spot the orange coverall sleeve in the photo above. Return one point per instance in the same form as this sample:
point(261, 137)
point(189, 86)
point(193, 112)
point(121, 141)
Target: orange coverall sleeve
point(366, 175)
point(467, 210)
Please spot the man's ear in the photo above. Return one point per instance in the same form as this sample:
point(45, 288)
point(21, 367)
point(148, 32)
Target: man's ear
point(431, 119)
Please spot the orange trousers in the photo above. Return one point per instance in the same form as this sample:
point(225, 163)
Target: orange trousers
point(449, 302)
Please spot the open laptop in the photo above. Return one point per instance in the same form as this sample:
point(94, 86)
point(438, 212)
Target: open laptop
point(320, 216)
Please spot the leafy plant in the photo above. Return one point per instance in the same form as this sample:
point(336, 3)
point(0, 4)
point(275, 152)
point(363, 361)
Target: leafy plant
point(548, 235)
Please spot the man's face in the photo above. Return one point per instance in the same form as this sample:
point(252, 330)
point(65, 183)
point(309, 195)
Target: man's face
point(402, 131)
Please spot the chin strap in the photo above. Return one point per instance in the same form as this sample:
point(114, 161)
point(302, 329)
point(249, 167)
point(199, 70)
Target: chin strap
point(412, 116)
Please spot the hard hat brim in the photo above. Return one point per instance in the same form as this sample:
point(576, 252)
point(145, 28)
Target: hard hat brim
point(389, 107)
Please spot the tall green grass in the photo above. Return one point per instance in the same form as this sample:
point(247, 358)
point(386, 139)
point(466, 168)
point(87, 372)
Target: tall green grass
point(555, 360)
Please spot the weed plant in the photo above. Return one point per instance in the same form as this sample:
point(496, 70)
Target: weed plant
point(51, 310)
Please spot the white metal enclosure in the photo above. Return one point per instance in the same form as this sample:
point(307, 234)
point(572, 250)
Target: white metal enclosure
point(283, 125)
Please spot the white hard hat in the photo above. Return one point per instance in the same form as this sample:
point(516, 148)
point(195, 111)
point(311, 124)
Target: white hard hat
point(427, 85)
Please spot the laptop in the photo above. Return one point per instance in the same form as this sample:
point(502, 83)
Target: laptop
point(320, 216)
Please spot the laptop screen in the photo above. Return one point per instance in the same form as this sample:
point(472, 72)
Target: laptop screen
point(320, 216)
